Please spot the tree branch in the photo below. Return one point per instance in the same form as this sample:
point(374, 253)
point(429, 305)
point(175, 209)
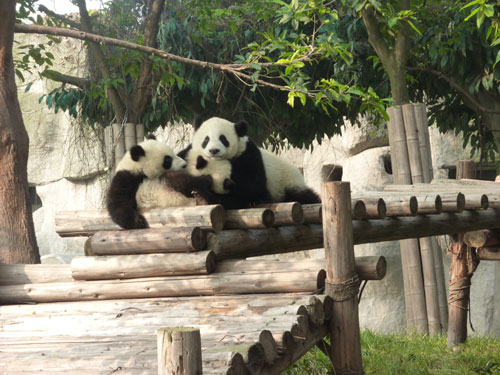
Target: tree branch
point(375, 37)
point(118, 99)
point(463, 91)
point(61, 18)
point(140, 92)
point(82, 83)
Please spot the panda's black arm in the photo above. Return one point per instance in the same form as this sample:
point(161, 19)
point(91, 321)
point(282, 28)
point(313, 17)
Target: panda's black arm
point(121, 202)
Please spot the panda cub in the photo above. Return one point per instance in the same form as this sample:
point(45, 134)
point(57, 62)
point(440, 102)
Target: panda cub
point(255, 175)
point(152, 175)
point(219, 170)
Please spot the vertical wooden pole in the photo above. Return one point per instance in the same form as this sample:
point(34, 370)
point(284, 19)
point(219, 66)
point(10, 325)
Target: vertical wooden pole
point(118, 142)
point(139, 132)
point(179, 351)
point(342, 279)
point(463, 264)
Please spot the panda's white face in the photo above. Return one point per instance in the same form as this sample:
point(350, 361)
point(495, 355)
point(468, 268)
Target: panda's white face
point(152, 158)
point(218, 139)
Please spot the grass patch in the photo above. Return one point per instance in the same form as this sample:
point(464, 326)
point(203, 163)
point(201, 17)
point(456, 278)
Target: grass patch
point(413, 355)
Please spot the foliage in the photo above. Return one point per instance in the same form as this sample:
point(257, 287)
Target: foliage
point(403, 354)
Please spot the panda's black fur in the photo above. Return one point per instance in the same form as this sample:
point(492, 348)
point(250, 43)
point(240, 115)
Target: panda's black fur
point(248, 183)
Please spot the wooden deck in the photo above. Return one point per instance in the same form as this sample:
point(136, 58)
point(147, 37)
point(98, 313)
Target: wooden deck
point(247, 334)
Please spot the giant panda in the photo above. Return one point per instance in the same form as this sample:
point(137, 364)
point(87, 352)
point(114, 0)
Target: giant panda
point(257, 176)
point(152, 175)
point(219, 170)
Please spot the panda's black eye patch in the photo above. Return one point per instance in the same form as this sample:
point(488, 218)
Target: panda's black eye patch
point(205, 142)
point(167, 162)
point(224, 140)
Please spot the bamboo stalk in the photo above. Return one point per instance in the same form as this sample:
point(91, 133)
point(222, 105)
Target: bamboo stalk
point(442, 294)
point(341, 271)
point(146, 241)
point(249, 218)
point(179, 351)
point(129, 135)
point(287, 213)
point(430, 285)
point(412, 142)
point(145, 265)
point(424, 140)
point(87, 222)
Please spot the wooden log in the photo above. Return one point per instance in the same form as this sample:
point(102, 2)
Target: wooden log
point(482, 238)
point(237, 243)
point(287, 213)
point(269, 345)
point(375, 206)
point(312, 213)
point(249, 218)
point(369, 231)
point(488, 253)
point(367, 267)
point(453, 202)
point(429, 204)
point(459, 285)
point(179, 351)
point(15, 274)
point(476, 201)
point(442, 293)
point(86, 223)
point(358, 209)
point(399, 206)
point(466, 169)
point(144, 265)
point(146, 241)
point(174, 286)
point(129, 135)
point(342, 281)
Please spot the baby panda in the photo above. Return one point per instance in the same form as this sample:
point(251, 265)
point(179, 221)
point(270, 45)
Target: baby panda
point(219, 170)
point(152, 175)
point(256, 175)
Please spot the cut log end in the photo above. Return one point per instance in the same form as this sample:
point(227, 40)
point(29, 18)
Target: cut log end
point(320, 281)
point(484, 202)
point(297, 213)
point(268, 218)
point(358, 210)
point(439, 204)
point(198, 239)
point(210, 262)
point(413, 205)
point(381, 208)
point(381, 268)
point(218, 217)
point(460, 202)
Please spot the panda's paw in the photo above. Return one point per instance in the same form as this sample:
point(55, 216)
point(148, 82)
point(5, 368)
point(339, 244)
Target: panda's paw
point(228, 184)
point(141, 222)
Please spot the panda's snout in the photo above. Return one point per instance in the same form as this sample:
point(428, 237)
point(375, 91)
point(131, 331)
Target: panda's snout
point(214, 151)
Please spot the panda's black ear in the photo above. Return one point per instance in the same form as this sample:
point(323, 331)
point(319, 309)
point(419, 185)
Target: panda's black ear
point(241, 128)
point(151, 136)
point(136, 152)
point(197, 122)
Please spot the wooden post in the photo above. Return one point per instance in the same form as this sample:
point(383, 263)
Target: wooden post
point(466, 169)
point(342, 280)
point(179, 351)
point(129, 135)
point(118, 142)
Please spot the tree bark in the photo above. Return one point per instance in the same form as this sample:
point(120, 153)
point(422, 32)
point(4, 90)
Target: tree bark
point(17, 232)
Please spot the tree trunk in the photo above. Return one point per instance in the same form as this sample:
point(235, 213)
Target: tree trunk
point(17, 232)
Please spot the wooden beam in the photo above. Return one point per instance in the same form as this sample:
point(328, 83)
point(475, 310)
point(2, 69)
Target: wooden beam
point(342, 283)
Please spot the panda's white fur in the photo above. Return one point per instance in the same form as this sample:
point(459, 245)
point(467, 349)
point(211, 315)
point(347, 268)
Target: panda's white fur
point(152, 163)
point(219, 169)
point(281, 175)
point(218, 141)
point(153, 193)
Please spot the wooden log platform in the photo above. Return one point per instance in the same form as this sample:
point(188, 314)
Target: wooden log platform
point(257, 334)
